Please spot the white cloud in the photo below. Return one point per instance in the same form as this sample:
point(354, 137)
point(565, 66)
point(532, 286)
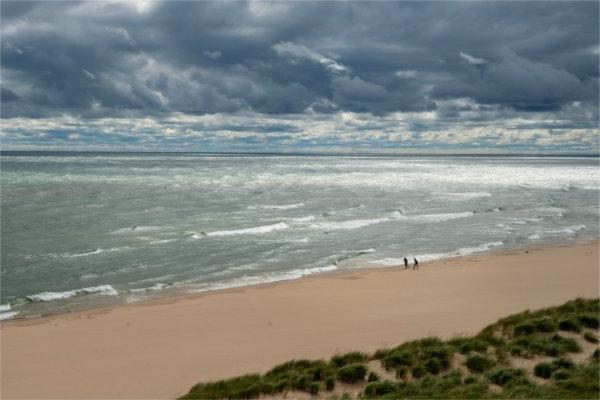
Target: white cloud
point(473, 60)
point(287, 49)
point(406, 73)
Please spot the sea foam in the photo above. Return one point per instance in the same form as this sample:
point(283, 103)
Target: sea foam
point(463, 251)
point(268, 278)
point(277, 207)
point(6, 313)
point(251, 231)
point(50, 296)
point(462, 196)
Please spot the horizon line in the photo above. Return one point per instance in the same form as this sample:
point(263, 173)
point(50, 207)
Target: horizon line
point(308, 153)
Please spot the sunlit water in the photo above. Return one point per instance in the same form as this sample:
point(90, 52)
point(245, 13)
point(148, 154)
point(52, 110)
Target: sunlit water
point(84, 230)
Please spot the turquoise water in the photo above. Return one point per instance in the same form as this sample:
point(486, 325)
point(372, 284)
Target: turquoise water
point(90, 229)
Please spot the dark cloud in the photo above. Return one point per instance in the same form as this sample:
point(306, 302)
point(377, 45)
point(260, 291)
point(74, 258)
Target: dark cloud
point(131, 58)
point(300, 75)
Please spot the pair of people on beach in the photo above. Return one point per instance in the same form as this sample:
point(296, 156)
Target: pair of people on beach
point(415, 264)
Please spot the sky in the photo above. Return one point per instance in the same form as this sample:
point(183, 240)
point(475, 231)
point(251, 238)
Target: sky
point(467, 77)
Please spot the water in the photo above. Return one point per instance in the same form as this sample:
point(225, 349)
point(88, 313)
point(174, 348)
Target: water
point(84, 230)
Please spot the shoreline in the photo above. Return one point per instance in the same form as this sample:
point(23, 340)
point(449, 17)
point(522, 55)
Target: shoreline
point(160, 348)
point(182, 294)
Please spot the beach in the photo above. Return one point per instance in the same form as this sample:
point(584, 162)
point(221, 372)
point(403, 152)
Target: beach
point(160, 348)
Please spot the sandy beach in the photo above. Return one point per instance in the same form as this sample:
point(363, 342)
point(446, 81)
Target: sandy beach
point(159, 349)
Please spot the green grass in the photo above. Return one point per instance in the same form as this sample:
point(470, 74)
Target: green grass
point(373, 377)
point(590, 337)
point(352, 373)
point(478, 363)
point(424, 367)
point(503, 376)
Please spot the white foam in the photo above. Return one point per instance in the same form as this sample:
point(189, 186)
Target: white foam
point(137, 229)
point(396, 215)
point(277, 207)
point(153, 288)
point(518, 221)
point(268, 278)
point(91, 253)
point(251, 231)
point(484, 247)
point(535, 236)
point(301, 240)
point(352, 254)
point(4, 307)
point(463, 196)
point(390, 261)
point(161, 241)
point(8, 315)
point(571, 230)
point(308, 218)
point(351, 224)
point(107, 290)
point(437, 217)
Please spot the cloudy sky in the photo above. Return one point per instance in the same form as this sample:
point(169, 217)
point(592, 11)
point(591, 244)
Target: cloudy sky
point(329, 76)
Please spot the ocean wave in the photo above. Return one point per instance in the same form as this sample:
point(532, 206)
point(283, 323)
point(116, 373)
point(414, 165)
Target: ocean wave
point(462, 196)
point(569, 230)
point(138, 229)
point(535, 236)
point(395, 216)
point(463, 251)
point(107, 290)
point(505, 228)
point(392, 261)
point(352, 254)
point(267, 278)
point(308, 218)
point(161, 241)
point(301, 240)
point(154, 288)
point(478, 249)
point(351, 224)
point(434, 217)
point(91, 253)
point(554, 210)
point(8, 315)
point(249, 231)
point(4, 307)
point(277, 207)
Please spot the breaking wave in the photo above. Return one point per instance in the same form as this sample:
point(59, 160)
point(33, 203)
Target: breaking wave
point(277, 207)
point(248, 231)
point(107, 290)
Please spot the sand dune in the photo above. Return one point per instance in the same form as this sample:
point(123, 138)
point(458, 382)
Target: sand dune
point(159, 349)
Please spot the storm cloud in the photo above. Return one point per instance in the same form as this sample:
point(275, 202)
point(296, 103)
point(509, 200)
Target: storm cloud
point(292, 75)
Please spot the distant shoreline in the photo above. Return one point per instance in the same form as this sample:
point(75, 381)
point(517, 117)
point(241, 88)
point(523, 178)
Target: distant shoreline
point(160, 348)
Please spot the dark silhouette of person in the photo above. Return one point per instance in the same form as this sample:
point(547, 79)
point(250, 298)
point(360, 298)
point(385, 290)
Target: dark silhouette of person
point(416, 264)
point(405, 262)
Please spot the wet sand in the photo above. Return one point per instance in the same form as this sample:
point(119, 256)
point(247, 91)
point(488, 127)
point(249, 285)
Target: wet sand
point(159, 349)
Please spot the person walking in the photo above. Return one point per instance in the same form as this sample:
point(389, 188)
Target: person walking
point(416, 263)
point(405, 262)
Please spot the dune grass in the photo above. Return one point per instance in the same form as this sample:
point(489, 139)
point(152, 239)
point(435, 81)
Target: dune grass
point(427, 368)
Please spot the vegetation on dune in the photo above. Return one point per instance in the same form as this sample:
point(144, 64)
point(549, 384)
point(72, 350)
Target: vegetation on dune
point(464, 367)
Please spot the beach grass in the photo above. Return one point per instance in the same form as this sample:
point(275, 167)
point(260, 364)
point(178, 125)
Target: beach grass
point(487, 365)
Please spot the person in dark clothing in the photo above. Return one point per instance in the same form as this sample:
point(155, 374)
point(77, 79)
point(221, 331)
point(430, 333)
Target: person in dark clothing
point(405, 262)
point(416, 263)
